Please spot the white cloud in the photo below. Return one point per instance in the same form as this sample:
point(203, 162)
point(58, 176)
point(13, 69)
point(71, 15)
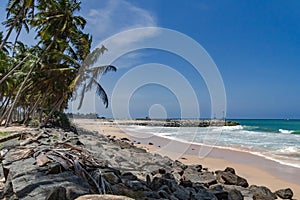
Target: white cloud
point(116, 16)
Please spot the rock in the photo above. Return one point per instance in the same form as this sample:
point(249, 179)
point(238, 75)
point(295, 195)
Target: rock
point(157, 183)
point(235, 194)
point(57, 193)
point(262, 193)
point(103, 197)
point(229, 169)
point(194, 174)
point(220, 194)
point(285, 193)
point(151, 195)
point(54, 168)
point(168, 176)
point(181, 193)
point(136, 185)
point(112, 178)
point(162, 171)
point(231, 179)
point(129, 176)
point(148, 180)
point(203, 194)
point(245, 192)
point(122, 189)
point(38, 186)
point(164, 194)
point(125, 139)
point(187, 183)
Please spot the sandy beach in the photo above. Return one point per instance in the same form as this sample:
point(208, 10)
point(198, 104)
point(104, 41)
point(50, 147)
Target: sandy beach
point(257, 170)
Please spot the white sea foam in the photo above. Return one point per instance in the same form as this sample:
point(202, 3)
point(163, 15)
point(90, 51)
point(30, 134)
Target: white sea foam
point(285, 131)
point(281, 148)
point(290, 149)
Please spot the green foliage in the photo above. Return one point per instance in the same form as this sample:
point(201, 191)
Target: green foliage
point(39, 80)
point(34, 123)
point(3, 134)
point(61, 119)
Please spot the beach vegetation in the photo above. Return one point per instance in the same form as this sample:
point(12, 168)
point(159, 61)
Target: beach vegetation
point(38, 80)
point(2, 134)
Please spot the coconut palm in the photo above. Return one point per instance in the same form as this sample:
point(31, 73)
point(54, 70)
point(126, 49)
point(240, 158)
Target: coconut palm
point(18, 13)
point(41, 79)
point(88, 75)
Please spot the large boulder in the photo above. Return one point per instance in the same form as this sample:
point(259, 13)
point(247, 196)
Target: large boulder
point(285, 193)
point(262, 193)
point(227, 177)
point(195, 175)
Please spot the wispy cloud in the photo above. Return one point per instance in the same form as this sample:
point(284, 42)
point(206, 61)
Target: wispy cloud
point(116, 16)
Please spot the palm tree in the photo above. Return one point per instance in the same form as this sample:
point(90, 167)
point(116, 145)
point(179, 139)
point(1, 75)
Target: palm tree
point(21, 11)
point(87, 76)
point(41, 79)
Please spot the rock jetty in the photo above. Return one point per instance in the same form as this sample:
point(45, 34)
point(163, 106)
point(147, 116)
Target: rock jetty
point(169, 122)
point(51, 164)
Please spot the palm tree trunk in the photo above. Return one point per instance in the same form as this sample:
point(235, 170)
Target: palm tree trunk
point(26, 119)
point(25, 81)
point(55, 108)
point(18, 94)
point(13, 69)
point(11, 28)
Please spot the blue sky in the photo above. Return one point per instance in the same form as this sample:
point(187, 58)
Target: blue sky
point(254, 44)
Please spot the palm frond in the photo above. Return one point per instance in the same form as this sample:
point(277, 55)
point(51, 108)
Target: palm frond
point(81, 97)
point(101, 93)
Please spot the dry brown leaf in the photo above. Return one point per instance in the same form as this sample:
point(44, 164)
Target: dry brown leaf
point(42, 159)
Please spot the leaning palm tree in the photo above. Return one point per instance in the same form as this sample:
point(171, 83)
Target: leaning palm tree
point(18, 13)
point(87, 77)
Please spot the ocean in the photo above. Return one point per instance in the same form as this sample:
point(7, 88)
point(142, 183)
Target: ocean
point(277, 140)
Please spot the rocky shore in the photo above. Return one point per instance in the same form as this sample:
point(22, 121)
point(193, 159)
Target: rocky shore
point(53, 164)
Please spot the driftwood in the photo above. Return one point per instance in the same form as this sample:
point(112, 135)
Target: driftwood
point(32, 139)
point(11, 136)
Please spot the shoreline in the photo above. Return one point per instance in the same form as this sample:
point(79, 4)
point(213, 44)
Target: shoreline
point(256, 169)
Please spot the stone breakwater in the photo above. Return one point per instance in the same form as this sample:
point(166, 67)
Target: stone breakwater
point(170, 122)
point(56, 164)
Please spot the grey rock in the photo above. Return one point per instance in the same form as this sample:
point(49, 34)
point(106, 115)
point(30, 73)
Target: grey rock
point(285, 193)
point(246, 193)
point(37, 186)
point(136, 185)
point(203, 195)
point(164, 194)
point(57, 193)
point(112, 178)
point(235, 194)
point(230, 169)
point(190, 190)
point(220, 194)
point(129, 176)
point(262, 193)
point(231, 179)
point(206, 178)
point(151, 194)
point(157, 183)
point(181, 193)
point(54, 168)
point(187, 183)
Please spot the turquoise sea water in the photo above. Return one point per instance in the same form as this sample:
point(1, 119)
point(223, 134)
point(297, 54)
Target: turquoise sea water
point(278, 140)
point(271, 125)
